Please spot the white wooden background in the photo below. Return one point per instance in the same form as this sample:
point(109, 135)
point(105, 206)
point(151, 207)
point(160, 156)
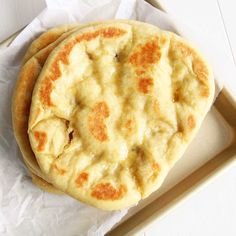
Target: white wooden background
point(212, 211)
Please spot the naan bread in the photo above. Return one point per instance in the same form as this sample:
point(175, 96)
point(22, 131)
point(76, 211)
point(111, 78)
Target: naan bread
point(114, 108)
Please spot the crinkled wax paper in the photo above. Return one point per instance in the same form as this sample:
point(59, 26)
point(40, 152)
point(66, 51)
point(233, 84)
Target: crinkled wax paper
point(24, 208)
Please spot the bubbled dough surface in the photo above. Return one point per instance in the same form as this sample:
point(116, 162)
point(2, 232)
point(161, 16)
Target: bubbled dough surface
point(114, 108)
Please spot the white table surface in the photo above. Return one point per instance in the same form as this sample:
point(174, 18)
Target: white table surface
point(212, 211)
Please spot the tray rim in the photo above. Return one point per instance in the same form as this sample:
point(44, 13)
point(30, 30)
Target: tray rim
point(138, 229)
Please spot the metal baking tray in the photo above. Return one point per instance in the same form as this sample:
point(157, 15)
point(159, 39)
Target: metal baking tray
point(197, 167)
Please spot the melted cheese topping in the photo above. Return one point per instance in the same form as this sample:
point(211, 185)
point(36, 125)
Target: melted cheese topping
point(118, 105)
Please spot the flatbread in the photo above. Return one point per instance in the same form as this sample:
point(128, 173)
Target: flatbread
point(114, 108)
point(34, 59)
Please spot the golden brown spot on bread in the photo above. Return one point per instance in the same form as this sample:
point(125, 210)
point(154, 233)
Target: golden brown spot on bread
point(130, 125)
point(146, 54)
point(55, 69)
point(109, 32)
point(96, 123)
point(87, 36)
point(81, 179)
point(191, 122)
point(97, 128)
point(59, 170)
point(139, 72)
point(41, 137)
point(45, 92)
point(101, 109)
point(145, 85)
point(105, 191)
point(205, 92)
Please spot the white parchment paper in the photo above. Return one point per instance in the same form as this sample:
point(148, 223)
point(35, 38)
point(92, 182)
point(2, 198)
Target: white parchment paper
point(25, 209)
